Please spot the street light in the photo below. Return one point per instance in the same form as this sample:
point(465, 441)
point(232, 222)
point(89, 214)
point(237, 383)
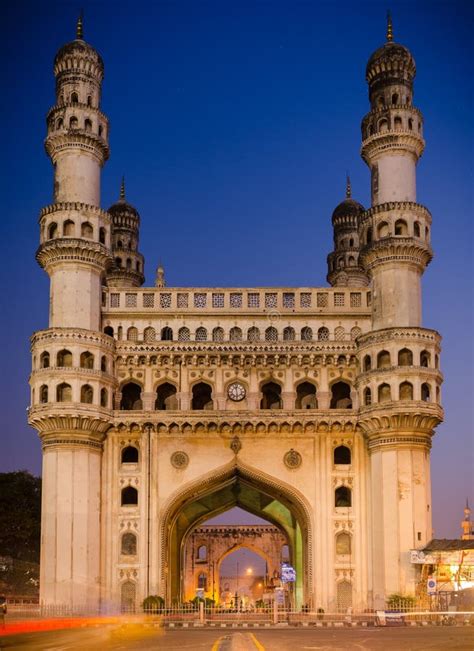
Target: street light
point(249, 570)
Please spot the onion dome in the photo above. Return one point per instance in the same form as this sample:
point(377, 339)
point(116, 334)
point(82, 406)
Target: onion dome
point(78, 50)
point(348, 210)
point(392, 60)
point(122, 212)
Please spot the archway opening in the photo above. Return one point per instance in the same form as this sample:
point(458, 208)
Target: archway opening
point(281, 509)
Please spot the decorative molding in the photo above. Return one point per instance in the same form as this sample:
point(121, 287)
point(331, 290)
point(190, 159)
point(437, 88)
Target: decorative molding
point(179, 460)
point(292, 459)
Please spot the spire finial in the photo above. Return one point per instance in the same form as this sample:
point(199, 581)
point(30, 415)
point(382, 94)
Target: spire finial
point(160, 276)
point(80, 26)
point(389, 27)
point(122, 188)
point(348, 186)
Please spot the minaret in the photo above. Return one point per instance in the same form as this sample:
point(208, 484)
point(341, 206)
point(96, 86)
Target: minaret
point(128, 265)
point(71, 382)
point(395, 232)
point(466, 524)
point(399, 380)
point(343, 263)
point(160, 276)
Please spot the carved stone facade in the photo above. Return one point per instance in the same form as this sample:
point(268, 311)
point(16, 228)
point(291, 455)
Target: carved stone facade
point(160, 407)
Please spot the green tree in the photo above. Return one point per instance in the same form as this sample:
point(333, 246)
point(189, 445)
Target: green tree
point(20, 515)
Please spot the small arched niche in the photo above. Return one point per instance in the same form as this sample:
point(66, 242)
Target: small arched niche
point(306, 396)
point(202, 396)
point(340, 396)
point(271, 396)
point(342, 455)
point(129, 454)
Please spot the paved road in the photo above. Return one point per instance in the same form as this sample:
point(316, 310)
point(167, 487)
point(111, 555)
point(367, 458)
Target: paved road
point(133, 639)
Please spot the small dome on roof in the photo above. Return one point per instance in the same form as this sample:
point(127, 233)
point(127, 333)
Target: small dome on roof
point(348, 208)
point(79, 47)
point(122, 207)
point(391, 58)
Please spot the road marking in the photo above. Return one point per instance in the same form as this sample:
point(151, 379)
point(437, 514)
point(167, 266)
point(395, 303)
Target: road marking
point(217, 643)
point(259, 646)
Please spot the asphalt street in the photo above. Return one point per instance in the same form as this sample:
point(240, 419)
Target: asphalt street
point(275, 639)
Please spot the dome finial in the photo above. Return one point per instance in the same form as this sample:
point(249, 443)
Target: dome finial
point(122, 188)
point(389, 27)
point(80, 26)
point(160, 276)
point(348, 186)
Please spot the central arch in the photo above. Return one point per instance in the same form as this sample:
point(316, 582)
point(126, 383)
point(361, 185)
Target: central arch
point(235, 485)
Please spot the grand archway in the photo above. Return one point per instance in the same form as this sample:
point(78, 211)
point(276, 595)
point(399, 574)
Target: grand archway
point(253, 491)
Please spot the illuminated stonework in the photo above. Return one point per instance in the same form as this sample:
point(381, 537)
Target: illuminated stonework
point(159, 407)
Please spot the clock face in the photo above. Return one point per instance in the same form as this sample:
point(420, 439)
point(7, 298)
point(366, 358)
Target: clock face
point(236, 391)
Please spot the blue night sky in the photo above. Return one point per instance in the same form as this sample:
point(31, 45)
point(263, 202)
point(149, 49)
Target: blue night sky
point(234, 123)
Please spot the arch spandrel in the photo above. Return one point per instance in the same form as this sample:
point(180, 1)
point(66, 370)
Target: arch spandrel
point(219, 491)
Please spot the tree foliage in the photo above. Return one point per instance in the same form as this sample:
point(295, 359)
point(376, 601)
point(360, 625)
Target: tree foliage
point(20, 515)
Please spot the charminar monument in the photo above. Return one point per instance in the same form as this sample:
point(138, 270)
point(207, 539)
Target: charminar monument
point(161, 407)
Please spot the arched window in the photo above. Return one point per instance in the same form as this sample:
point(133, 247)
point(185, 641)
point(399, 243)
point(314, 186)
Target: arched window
point(425, 392)
point(129, 496)
point(425, 358)
point(128, 596)
point(339, 333)
point(166, 334)
point(44, 360)
point(383, 359)
point(202, 396)
point(405, 391)
point(271, 334)
point(271, 396)
point(131, 397)
point(132, 334)
point(64, 358)
point(398, 123)
point(87, 394)
point(306, 396)
point(68, 228)
point(367, 397)
point(355, 332)
point(102, 235)
point(59, 123)
point(307, 334)
point(52, 231)
point(74, 98)
point(103, 398)
point(417, 229)
point(202, 553)
point(342, 496)
point(120, 333)
point(73, 122)
point(218, 334)
point(149, 335)
point(88, 125)
point(118, 262)
point(130, 454)
point(87, 230)
point(323, 334)
point(341, 396)
point(89, 100)
point(383, 125)
point(201, 334)
point(108, 330)
point(289, 334)
point(383, 230)
point(394, 99)
point(129, 544)
point(166, 397)
point(253, 334)
point(343, 543)
point(367, 363)
point(64, 392)
point(342, 455)
point(43, 393)
point(202, 581)
point(235, 334)
point(128, 264)
point(405, 357)
point(369, 236)
point(401, 227)
point(410, 124)
point(87, 360)
point(184, 334)
point(384, 393)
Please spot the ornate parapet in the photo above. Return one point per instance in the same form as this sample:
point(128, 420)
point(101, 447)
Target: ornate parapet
point(70, 424)
point(70, 249)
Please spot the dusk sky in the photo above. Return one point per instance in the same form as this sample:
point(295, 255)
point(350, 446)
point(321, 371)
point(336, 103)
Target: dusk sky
point(234, 124)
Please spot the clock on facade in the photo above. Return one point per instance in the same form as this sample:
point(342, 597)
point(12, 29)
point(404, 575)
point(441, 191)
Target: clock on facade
point(236, 391)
